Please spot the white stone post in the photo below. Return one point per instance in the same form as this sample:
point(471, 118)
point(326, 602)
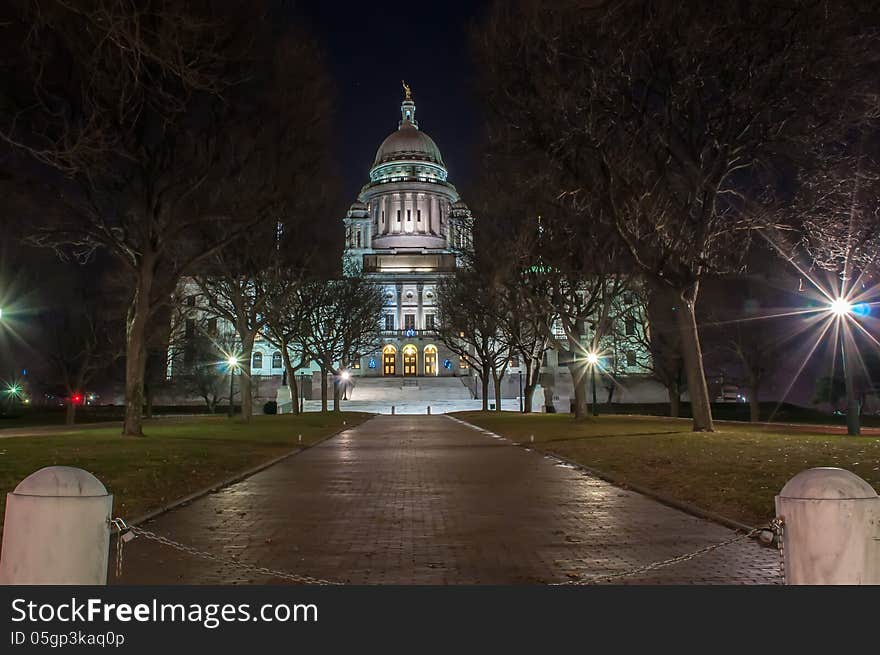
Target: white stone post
point(831, 528)
point(56, 529)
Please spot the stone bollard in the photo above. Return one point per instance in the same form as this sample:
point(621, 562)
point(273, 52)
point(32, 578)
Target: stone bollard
point(429, 410)
point(56, 529)
point(831, 528)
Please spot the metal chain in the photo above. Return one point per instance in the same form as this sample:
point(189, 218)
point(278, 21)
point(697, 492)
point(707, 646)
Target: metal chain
point(777, 525)
point(176, 545)
point(127, 533)
point(663, 563)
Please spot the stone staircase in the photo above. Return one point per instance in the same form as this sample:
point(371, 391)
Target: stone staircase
point(422, 389)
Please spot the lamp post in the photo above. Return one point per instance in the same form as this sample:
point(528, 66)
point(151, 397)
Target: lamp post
point(232, 363)
point(843, 309)
point(345, 376)
point(302, 393)
point(593, 361)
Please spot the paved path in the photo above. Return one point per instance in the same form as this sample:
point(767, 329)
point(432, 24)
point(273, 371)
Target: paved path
point(426, 500)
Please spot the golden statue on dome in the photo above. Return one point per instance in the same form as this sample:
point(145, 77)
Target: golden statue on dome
point(407, 90)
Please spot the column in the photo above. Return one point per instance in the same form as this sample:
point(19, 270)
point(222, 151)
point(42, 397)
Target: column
point(399, 287)
point(429, 201)
point(420, 321)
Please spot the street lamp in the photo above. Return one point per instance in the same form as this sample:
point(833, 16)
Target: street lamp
point(593, 361)
point(302, 392)
point(346, 376)
point(232, 363)
point(843, 309)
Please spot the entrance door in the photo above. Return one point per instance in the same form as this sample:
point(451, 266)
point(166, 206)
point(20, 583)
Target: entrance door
point(389, 361)
point(410, 361)
point(430, 360)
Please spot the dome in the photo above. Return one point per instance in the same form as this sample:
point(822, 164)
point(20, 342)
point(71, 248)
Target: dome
point(408, 143)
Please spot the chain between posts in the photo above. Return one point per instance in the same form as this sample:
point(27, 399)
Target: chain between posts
point(769, 536)
point(129, 532)
point(775, 539)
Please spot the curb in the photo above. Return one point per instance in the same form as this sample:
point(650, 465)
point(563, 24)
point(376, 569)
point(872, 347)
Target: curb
point(237, 477)
point(681, 505)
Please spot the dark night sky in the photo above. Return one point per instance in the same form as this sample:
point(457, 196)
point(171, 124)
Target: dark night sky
point(371, 47)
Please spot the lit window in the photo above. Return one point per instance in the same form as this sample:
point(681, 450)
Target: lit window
point(409, 321)
point(389, 321)
point(257, 360)
point(276, 360)
point(355, 361)
point(429, 321)
point(462, 363)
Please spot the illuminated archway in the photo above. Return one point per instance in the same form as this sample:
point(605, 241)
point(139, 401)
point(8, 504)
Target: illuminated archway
point(410, 360)
point(430, 360)
point(389, 360)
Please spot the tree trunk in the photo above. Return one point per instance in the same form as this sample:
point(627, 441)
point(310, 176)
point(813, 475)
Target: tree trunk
point(291, 379)
point(497, 381)
point(701, 409)
point(244, 378)
point(674, 391)
point(135, 352)
point(323, 390)
point(337, 392)
point(754, 405)
point(484, 381)
point(70, 413)
point(528, 392)
point(293, 387)
point(148, 400)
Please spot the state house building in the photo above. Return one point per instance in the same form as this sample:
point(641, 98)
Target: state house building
point(403, 233)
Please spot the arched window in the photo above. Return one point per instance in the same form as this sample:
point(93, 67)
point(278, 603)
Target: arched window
point(276, 360)
point(257, 360)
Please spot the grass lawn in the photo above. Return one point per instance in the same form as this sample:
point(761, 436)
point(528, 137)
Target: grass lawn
point(176, 458)
point(736, 471)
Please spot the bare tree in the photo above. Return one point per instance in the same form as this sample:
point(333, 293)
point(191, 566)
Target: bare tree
point(235, 286)
point(343, 322)
point(160, 122)
point(289, 304)
point(78, 346)
point(658, 344)
point(666, 118)
point(471, 312)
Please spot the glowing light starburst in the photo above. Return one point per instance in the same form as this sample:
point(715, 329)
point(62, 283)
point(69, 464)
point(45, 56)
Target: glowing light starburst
point(840, 307)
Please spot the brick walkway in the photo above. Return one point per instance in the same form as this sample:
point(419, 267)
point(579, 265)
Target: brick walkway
point(426, 500)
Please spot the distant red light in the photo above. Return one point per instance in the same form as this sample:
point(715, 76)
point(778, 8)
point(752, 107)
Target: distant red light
point(77, 399)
